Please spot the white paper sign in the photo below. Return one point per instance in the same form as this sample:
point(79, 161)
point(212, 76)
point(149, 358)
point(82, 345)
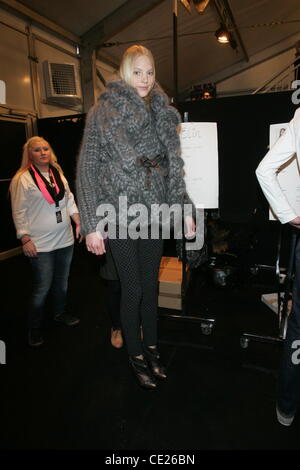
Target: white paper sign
point(288, 174)
point(199, 144)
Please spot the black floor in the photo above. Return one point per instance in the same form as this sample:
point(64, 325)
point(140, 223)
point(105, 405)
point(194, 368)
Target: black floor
point(77, 392)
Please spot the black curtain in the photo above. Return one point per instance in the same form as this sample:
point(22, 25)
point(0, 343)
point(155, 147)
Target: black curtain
point(64, 135)
point(12, 137)
point(243, 138)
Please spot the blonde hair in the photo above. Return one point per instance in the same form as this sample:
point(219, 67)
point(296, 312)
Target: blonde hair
point(26, 161)
point(128, 59)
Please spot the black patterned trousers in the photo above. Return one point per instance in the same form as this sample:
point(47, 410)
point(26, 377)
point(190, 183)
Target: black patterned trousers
point(137, 263)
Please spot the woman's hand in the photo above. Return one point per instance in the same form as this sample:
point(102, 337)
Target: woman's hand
point(190, 227)
point(77, 233)
point(76, 219)
point(29, 249)
point(295, 222)
point(95, 243)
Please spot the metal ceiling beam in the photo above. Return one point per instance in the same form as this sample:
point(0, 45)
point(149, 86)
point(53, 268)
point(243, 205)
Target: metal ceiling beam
point(104, 57)
point(255, 60)
point(122, 17)
point(226, 17)
point(19, 8)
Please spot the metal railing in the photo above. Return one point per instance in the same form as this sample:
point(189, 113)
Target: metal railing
point(282, 81)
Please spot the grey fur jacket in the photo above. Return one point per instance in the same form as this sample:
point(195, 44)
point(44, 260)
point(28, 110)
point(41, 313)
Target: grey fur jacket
point(120, 129)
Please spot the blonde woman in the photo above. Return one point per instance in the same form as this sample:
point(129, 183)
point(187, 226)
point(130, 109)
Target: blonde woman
point(42, 205)
point(131, 149)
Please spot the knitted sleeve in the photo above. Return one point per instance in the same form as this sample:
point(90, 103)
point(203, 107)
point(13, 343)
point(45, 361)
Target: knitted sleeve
point(88, 185)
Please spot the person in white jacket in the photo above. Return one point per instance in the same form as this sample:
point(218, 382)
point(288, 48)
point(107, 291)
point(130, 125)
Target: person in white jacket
point(289, 374)
point(42, 205)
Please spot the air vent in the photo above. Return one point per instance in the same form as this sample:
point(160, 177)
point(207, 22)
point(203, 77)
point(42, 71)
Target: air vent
point(62, 83)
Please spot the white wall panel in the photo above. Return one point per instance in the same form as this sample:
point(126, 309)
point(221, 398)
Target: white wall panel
point(14, 68)
point(55, 40)
point(15, 65)
point(13, 20)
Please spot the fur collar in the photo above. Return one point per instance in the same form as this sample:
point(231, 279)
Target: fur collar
point(120, 104)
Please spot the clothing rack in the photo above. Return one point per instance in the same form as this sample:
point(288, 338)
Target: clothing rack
point(282, 303)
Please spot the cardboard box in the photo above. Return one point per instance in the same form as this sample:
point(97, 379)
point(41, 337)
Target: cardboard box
point(271, 300)
point(170, 282)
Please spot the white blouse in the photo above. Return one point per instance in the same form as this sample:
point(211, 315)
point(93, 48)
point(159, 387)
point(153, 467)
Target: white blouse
point(35, 217)
point(284, 148)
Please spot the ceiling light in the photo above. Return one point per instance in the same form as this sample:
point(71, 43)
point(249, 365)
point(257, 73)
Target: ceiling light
point(200, 5)
point(222, 35)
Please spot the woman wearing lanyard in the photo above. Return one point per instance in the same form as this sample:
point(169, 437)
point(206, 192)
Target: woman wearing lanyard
point(42, 205)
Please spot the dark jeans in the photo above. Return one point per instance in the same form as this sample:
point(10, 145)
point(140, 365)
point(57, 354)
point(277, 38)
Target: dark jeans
point(50, 271)
point(289, 373)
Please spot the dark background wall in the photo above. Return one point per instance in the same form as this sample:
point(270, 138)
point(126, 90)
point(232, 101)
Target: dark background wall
point(243, 138)
point(12, 137)
point(64, 135)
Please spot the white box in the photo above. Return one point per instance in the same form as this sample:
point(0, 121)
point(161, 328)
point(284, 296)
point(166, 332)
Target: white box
point(271, 300)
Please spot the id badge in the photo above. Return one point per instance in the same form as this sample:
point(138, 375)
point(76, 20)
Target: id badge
point(58, 216)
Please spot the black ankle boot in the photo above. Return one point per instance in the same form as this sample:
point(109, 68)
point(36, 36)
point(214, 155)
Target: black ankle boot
point(153, 358)
point(142, 372)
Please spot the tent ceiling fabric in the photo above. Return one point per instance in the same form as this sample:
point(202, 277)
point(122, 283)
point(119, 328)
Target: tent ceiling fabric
point(200, 58)
point(76, 16)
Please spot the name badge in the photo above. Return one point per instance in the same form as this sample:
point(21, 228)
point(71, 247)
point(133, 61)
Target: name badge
point(58, 216)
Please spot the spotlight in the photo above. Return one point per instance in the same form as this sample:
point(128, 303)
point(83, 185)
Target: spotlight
point(222, 35)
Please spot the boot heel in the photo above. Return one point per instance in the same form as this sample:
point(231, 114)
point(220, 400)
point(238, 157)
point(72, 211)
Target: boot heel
point(142, 373)
point(153, 358)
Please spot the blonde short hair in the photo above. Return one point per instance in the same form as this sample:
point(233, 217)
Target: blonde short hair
point(128, 59)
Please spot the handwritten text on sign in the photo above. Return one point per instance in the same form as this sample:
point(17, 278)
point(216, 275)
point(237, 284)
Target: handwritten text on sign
point(199, 144)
